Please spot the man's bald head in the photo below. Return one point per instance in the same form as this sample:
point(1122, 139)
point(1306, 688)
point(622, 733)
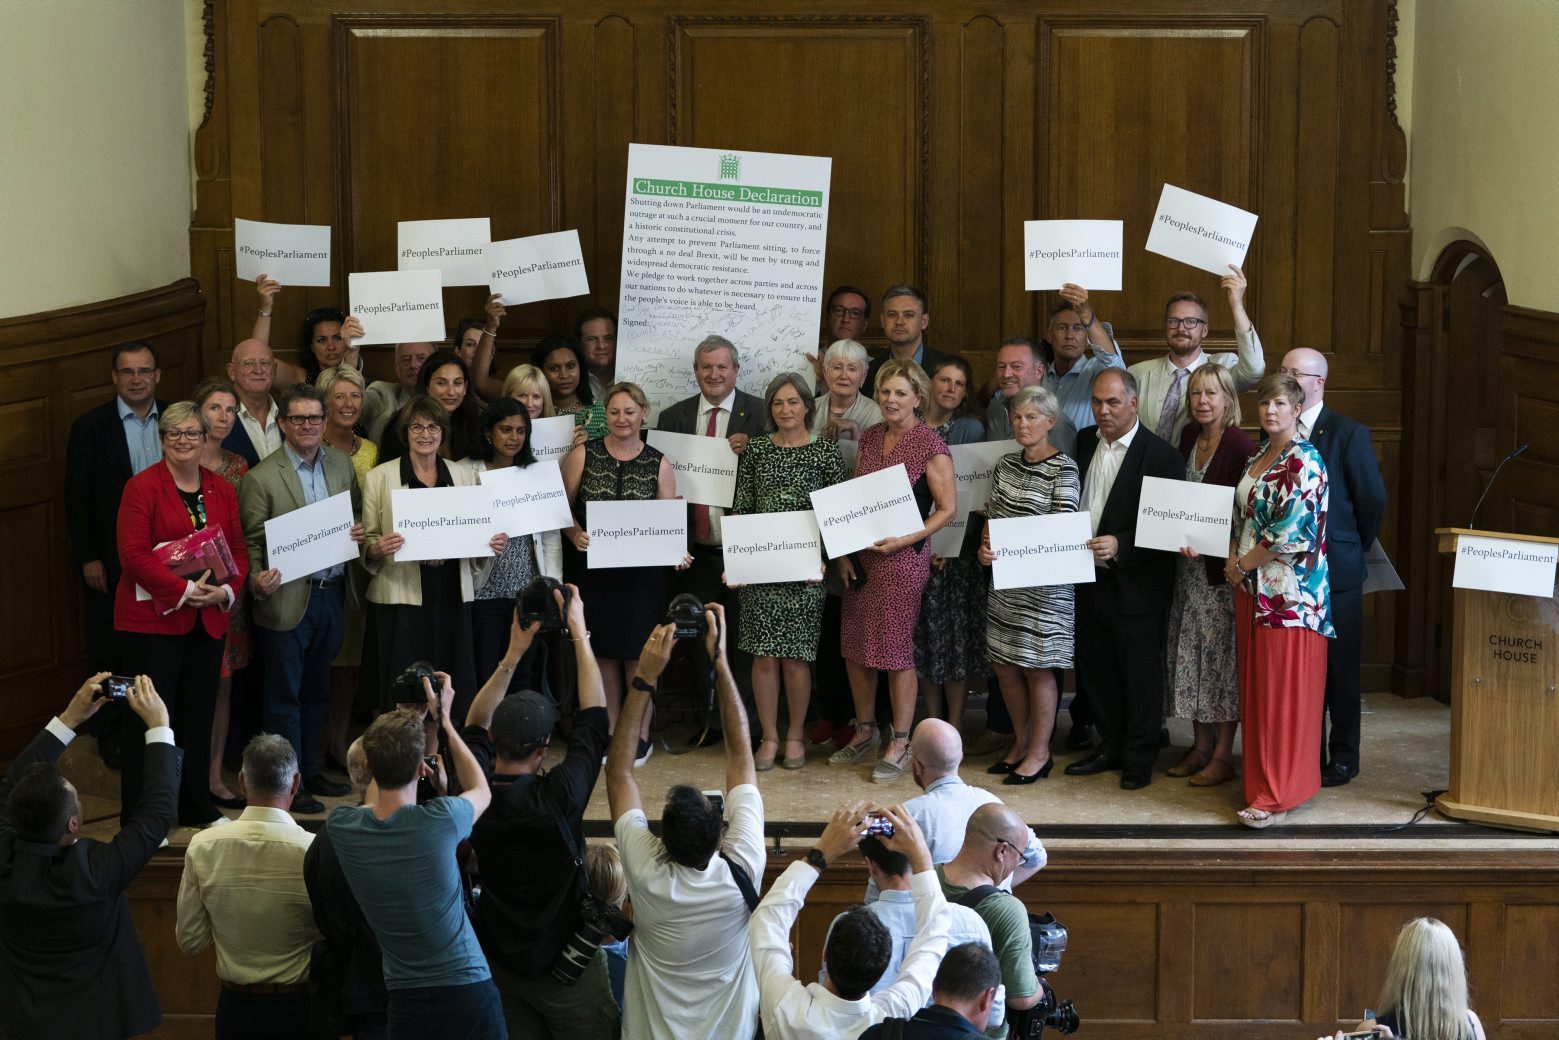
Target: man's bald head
point(994, 821)
point(937, 749)
point(1309, 369)
point(252, 369)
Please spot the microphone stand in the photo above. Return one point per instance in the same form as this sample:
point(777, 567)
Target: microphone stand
point(1472, 524)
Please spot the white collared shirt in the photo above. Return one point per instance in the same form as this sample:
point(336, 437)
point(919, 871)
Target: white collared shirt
point(266, 437)
point(243, 890)
point(1102, 471)
point(1308, 417)
point(722, 424)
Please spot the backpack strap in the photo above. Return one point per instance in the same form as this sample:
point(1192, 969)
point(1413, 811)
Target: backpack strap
point(743, 882)
point(892, 1029)
point(977, 895)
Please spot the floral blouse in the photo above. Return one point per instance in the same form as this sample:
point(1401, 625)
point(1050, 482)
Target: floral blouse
point(1285, 512)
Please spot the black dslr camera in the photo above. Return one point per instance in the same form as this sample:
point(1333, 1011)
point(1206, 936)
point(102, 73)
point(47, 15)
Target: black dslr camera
point(686, 611)
point(535, 602)
point(598, 922)
point(406, 688)
point(1048, 939)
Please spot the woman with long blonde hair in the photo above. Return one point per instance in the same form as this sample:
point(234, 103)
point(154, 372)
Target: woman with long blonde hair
point(1425, 993)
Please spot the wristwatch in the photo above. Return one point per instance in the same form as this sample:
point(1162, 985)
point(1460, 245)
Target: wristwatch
point(638, 683)
point(816, 858)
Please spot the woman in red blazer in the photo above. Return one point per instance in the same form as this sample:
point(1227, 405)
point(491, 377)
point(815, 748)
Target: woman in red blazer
point(173, 629)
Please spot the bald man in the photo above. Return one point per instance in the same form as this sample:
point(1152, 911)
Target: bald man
point(252, 371)
point(943, 811)
point(988, 857)
point(1358, 504)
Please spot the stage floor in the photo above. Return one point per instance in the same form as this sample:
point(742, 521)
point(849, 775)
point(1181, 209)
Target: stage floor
point(1405, 756)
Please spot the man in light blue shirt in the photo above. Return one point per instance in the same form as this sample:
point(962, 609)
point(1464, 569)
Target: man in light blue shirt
point(1083, 346)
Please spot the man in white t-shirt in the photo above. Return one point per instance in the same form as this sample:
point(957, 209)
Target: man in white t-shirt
point(690, 973)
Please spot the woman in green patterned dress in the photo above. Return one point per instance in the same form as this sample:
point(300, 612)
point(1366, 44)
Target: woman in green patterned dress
point(780, 622)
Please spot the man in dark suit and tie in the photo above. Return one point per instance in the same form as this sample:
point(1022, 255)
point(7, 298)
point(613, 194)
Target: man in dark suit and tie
point(905, 317)
point(109, 445)
point(299, 625)
point(1120, 617)
point(1358, 504)
point(71, 964)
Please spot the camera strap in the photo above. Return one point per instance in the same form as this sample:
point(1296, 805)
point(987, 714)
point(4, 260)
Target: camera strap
point(743, 881)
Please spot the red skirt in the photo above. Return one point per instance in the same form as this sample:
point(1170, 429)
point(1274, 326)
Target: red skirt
point(1282, 700)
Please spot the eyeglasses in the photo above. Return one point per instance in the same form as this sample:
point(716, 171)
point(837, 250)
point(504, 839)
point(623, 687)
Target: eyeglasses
point(424, 428)
point(854, 313)
point(1298, 374)
point(131, 373)
point(305, 420)
point(1189, 323)
point(184, 435)
point(256, 364)
point(1062, 326)
point(1016, 851)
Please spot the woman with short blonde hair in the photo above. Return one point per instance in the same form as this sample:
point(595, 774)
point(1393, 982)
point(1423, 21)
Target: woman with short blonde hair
point(528, 385)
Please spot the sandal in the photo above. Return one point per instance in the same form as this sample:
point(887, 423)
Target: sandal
point(1251, 816)
point(795, 761)
point(1215, 772)
point(887, 770)
point(863, 747)
point(1195, 761)
point(761, 762)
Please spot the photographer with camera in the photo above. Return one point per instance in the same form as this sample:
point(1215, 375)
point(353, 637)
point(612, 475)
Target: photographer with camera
point(536, 919)
point(690, 972)
point(399, 858)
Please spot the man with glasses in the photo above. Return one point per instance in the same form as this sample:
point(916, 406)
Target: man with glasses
point(1164, 383)
point(1082, 346)
point(383, 398)
point(1358, 504)
point(845, 316)
point(299, 624)
point(252, 370)
point(109, 445)
point(993, 849)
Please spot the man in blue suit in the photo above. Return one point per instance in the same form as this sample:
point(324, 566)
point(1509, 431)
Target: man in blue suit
point(1358, 504)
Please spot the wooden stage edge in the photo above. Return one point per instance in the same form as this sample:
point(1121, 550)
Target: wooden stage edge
point(1172, 943)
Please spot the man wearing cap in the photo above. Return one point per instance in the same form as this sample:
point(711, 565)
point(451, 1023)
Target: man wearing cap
point(530, 838)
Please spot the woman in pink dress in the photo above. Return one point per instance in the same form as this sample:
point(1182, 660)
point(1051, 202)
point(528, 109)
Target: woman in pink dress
point(879, 612)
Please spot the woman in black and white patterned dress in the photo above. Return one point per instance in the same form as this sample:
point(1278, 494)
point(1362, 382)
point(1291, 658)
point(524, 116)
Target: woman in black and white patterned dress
point(1029, 631)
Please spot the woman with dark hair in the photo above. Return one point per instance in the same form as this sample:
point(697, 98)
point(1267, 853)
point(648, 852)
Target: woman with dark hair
point(419, 611)
point(176, 635)
point(950, 636)
point(780, 622)
point(506, 442)
point(562, 361)
point(446, 380)
point(1282, 607)
point(326, 339)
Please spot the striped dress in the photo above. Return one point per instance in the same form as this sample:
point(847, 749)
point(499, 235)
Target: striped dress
point(1032, 628)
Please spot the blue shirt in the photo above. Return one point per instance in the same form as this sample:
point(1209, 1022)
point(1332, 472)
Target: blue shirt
point(1075, 389)
point(403, 872)
point(142, 435)
point(314, 490)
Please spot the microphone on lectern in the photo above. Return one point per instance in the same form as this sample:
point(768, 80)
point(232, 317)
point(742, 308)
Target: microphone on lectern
point(1472, 524)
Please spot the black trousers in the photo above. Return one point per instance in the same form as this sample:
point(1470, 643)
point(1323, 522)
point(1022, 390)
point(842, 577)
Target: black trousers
point(1342, 677)
point(1121, 666)
point(185, 670)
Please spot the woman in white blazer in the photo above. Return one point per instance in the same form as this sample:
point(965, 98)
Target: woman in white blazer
point(505, 428)
point(419, 611)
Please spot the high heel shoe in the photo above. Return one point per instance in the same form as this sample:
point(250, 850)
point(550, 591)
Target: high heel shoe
point(1000, 768)
point(1016, 779)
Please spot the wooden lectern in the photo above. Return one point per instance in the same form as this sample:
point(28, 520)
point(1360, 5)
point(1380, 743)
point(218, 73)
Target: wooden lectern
point(1504, 704)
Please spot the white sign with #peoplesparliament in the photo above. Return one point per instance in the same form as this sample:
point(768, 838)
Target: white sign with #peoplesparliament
point(705, 466)
point(540, 267)
point(398, 306)
point(1185, 514)
point(552, 437)
point(447, 523)
point(312, 538)
point(636, 534)
point(973, 466)
point(528, 499)
point(860, 512)
point(1082, 252)
point(293, 254)
point(1200, 231)
point(762, 548)
point(1513, 565)
point(454, 247)
point(1035, 551)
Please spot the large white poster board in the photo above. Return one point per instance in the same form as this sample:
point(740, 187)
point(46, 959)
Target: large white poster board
point(860, 512)
point(719, 241)
point(1083, 252)
point(1200, 231)
point(454, 248)
point(705, 466)
point(1511, 565)
point(293, 254)
point(1185, 514)
point(447, 523)
point(552, 437)
point(769, 547)
point(312, 538)
point(398, 306)
point(528, 499)
point(636, 534)
point(973, 465)
point(1034, 551)
point(540, 267)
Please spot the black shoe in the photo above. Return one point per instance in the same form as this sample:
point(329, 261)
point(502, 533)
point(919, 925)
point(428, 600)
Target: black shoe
point(1337, 774)
point(1080, 739)
point(1101, 761)
point(306, 804)
point(1135, 779)
point(1015, 778)
point(999, 768)
point(229, 803)
point(326, 788)
point(1163, 736)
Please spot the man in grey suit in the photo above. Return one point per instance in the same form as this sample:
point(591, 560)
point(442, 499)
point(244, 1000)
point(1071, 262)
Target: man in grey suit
point(299, 625)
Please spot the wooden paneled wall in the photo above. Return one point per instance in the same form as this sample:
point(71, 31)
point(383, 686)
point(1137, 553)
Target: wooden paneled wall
point(949, 122)
point(1170, 944)
point(53, 367)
